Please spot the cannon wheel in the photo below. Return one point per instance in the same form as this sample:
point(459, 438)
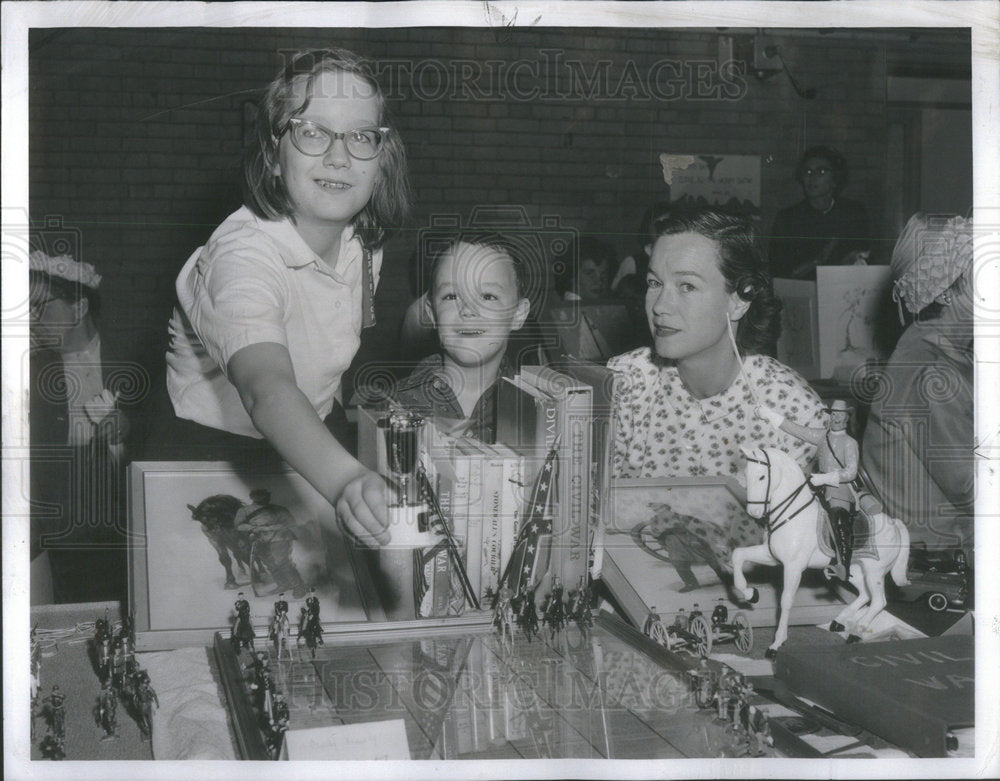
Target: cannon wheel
point(658, 633)
point(645, 538)
point(703, 635)
point(744, 632)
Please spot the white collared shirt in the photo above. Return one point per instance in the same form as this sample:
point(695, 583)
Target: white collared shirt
point(257, 281)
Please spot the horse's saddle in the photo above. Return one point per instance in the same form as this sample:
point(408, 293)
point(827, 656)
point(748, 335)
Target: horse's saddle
point(862, 526)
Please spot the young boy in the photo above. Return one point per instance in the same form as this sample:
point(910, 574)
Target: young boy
point(477, 299)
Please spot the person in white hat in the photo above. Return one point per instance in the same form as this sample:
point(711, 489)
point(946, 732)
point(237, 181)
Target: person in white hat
point(837, 466)
point(77, 438)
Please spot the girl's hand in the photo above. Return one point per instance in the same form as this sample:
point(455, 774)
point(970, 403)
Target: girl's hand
point(363, 509)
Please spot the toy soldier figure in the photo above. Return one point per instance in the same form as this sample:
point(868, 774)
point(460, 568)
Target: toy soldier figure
point(280, 607)
point(271, 528)
point(146, 697)
point(242, 633)
point(837, 466)
point(57, 713)
point(108, 711)
point(276, 736)
point(280, 709)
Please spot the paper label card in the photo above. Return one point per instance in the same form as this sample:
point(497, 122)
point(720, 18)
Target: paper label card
point(366, 740)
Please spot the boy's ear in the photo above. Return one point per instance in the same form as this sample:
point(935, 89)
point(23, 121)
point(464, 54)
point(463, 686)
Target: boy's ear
point(523, 310)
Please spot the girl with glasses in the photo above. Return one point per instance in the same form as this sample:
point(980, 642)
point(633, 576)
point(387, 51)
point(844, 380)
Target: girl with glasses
point(272, 307)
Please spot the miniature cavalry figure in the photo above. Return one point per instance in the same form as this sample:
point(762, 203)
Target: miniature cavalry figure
point(503, 616)
point(279, 631)
point(527, 614)
point(108, 710)
point(117, 671)
point(579, 605)
point(102, 648)
point(310, 627)
point(837, 463)
point(555, 610)
point(242, 634)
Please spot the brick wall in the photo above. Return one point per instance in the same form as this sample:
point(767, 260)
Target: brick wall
point(136, 135)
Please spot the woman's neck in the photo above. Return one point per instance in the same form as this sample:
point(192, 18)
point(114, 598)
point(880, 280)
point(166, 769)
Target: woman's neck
point(470, 382)
point(78, 338)
point(710, 372)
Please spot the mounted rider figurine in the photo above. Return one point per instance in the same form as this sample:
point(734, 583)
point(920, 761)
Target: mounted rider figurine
point(837, 466)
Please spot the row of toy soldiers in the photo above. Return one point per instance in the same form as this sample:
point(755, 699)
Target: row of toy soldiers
point(268, 702)
point(310, 627)
point(122, 678)
point(556, 612)
point(54, 706)
point(555, 609)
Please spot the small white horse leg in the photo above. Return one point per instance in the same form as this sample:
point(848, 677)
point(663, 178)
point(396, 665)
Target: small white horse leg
point(849, 614)
point(875, 581)
point(755, 554)
point(792, 572)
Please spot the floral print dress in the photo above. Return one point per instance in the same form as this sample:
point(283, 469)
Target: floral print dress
point(664, 431)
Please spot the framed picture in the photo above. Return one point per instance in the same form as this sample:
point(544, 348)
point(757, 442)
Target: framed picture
point(849, 300)
point(667, 546)
point(798, 345)
point(205, 532)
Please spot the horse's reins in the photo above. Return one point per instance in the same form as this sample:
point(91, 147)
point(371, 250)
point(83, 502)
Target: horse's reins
point(772, 516)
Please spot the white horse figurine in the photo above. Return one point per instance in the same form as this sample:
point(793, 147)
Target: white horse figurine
point(779, 493)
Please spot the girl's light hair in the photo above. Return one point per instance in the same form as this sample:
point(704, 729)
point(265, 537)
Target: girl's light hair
point(264, 192)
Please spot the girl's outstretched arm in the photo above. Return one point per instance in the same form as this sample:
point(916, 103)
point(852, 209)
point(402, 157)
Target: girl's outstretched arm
point(264, 377)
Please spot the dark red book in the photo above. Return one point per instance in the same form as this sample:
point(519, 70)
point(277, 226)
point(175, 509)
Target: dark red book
point(909, 692)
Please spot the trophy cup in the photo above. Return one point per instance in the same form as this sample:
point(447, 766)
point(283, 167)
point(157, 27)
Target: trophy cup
point(402, 434)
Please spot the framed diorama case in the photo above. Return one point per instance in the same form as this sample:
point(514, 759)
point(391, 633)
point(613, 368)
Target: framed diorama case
point(189, 561)
point(666, 548)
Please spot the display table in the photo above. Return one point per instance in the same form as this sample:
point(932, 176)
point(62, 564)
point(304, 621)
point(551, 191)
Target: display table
point(488, 715)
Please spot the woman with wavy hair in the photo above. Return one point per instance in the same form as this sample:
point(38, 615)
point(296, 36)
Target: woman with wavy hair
point(687, 403)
